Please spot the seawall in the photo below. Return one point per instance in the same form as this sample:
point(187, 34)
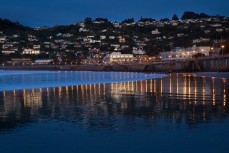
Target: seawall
point(207, 64)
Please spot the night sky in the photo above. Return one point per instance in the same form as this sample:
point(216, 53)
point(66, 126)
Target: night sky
point(61, 12)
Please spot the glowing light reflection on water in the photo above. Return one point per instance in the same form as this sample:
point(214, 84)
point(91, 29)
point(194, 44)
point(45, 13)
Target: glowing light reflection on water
point(178, 113)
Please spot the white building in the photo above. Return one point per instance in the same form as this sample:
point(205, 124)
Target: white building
point(36, 46)
point(103, 37)
point(67, 35)
point(112, 37)
point(155, 32)
point(185, 53)
point(7, 46)
point(138, 51)
point(43, 62)
point(116, 46)
point(31, 51)
point(118, 57)
point(83, 30)
point(2, 39)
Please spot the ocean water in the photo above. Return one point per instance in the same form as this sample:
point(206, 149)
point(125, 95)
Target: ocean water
point(176, 113)
point(14, 80)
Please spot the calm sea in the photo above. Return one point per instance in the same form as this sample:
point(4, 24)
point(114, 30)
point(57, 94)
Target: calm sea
point(178, 113)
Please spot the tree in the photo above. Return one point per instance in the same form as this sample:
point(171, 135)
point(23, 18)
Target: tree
point(1, 53)
point(175, 17)
point(53, 56)
point(101, 20)
point(104, 48)
point(0, 56)
point(70, 57)
point(128, 20)
point(198, 55)
point(192, 15)
point(88, 21)
point(12, 27)
point(164, 20)
point(146, 19)
point(189, 15)
point(203, 15)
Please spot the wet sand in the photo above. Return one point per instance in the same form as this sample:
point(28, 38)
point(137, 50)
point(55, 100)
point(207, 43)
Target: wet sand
point(213, 74)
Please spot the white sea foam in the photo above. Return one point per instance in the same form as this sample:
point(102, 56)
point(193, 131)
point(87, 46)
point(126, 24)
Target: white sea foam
point(15, 80)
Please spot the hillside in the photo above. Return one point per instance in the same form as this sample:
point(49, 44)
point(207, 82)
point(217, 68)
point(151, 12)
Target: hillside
point(94, 36)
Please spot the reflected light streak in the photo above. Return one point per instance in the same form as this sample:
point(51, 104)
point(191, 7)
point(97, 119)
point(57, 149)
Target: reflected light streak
point(213, 92)
point(82, 92)
point(154, 86)
point(146, 85)
point(99, 90)
point(104, 88)
point(177, 85)
point(184, 87)
point(151, 85)
point(59, 91)
point(24, 97)
point(161, 83)
point(204, 91)
point(189, 87)
point(91, 94)
point(94, 88)
point(66, 88)
point(195, 89)
point(224, 93)
point(170, 84)
point(90, 88)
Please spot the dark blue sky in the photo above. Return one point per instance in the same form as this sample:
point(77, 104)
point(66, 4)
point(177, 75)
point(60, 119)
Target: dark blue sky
point(51, 12)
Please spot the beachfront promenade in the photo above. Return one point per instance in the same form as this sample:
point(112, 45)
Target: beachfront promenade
point(204, 64)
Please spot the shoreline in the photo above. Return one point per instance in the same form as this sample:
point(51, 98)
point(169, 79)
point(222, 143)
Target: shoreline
point(140, 68)
point(213, 75)
point(219, 64)
point(86, 68)
point(18, 80)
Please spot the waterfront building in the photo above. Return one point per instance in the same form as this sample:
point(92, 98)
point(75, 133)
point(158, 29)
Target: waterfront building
point(185, 53)
point(43, 62)
point(145, 59)
point(20, 61)
point(118, 57)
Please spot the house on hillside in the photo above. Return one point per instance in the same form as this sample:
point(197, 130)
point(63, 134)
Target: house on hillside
point(155, 32)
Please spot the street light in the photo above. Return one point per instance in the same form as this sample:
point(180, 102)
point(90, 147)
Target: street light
point(222, 48)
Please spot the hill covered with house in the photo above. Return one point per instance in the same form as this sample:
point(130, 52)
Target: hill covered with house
point(95, 38)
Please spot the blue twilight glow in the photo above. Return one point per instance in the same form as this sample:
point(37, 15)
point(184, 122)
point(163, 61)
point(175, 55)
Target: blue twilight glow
point(49, 12)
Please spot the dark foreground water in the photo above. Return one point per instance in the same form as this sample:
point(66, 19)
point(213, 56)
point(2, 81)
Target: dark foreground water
point(175, 114)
